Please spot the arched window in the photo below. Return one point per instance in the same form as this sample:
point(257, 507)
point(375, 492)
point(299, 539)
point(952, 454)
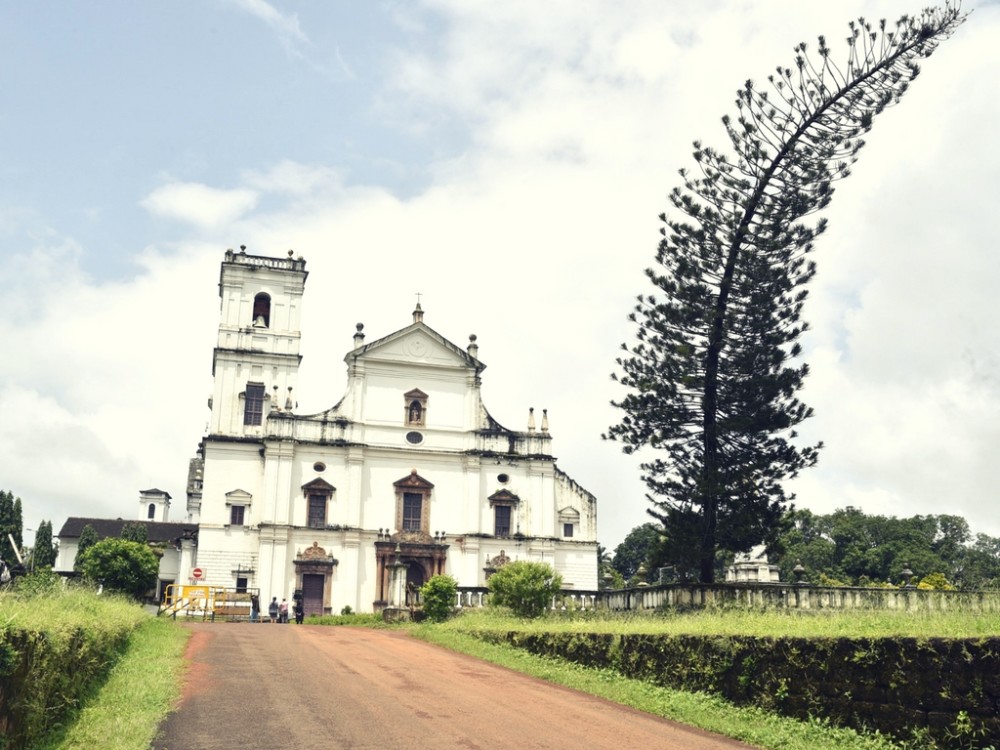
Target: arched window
point(151, 511)
point(262, 310)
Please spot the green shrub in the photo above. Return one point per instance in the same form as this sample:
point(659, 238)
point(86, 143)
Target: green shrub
point(935, 581)
point(526, 587)
point(120, 565)
point(438, 596)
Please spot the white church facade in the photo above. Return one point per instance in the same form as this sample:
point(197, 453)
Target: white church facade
point(408, 464)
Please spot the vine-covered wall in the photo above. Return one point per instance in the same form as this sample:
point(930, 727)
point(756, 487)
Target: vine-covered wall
point(948, 688)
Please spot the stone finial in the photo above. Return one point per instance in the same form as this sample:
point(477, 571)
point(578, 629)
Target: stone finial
point(531, 419)
point(418, 314)
point(291, 253)
point(275, 403)
point(359, 337)
point(545, 420)
point(288, 399)
point(473, 348)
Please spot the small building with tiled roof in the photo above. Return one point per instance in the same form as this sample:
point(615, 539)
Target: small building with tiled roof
point(174, 541)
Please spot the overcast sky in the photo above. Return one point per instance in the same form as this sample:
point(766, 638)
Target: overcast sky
point(506, 160)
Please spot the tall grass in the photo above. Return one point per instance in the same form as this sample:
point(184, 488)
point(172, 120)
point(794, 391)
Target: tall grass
point(56, 609)
point(761, 623)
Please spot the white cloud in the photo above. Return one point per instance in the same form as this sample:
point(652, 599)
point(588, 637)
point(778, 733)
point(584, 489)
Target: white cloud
point(286, 25)
point(204, 206)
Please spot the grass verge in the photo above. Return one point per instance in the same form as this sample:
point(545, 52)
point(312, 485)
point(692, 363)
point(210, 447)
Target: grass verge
point(748, 622)
point(124, 713)
point(754, 726)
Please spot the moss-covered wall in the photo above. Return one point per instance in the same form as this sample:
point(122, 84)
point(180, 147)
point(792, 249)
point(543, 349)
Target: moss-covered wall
point(949, 688)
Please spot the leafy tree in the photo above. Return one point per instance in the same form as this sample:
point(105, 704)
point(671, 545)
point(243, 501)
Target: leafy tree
point(859, 549)
point(438, 597)
point(636, 548)
point(44, 553)
point(135, 532)
point(711, 377)
point(88, 536)
point(525, 587)
point(10, 523)
point(981, 564)
point(607, 576)
point(121, 565)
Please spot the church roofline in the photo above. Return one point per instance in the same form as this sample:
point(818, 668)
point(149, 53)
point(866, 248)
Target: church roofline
point(242, 258)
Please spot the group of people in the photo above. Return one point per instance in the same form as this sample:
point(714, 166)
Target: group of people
point(276, 612)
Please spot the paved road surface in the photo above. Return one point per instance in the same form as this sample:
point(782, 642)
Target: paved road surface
point(265, 687)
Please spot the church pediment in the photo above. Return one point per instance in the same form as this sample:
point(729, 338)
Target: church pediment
point(569, 514)
point(318, 486)
point(417, 344)
point(238, 497)
point(413, 482)
point(504, 497)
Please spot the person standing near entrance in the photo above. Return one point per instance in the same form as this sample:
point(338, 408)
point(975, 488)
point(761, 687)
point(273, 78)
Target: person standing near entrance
point(272, 609)
point(283, 612)
point(254, 607)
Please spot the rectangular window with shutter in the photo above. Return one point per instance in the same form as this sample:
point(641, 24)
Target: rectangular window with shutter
point(412, 502)
point(501, 520)
point(253, 404)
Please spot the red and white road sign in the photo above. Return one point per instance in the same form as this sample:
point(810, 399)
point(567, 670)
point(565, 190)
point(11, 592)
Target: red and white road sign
point(197, 573)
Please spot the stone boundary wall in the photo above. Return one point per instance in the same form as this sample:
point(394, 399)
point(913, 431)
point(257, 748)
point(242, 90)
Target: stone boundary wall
point(758, 595)
point(946, 688)
point(793, 596)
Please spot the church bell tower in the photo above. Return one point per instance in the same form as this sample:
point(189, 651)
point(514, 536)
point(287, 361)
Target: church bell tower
point(256, 359)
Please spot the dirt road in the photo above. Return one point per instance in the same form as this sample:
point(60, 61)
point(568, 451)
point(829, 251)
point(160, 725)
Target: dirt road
point(267, 686)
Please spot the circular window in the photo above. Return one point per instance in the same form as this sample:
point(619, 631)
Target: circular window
point(319, 466)
point(503, 478)
point(415, 438)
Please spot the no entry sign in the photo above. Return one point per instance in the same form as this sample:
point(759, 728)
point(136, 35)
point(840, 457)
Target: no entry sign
point(197, 573)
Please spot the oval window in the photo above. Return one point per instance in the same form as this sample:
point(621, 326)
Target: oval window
point(415, 438)
point(503, 478)
point(319, 466)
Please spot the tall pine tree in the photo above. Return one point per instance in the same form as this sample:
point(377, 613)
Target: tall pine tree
point(712, 377)
point(10, 523)
point(88, 538)
point(44, 553)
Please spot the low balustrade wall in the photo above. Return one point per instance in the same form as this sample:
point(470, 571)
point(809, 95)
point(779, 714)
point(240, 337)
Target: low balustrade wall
point(751, 595)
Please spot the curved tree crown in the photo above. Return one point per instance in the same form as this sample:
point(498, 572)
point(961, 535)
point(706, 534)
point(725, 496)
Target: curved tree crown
point(713, 374)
